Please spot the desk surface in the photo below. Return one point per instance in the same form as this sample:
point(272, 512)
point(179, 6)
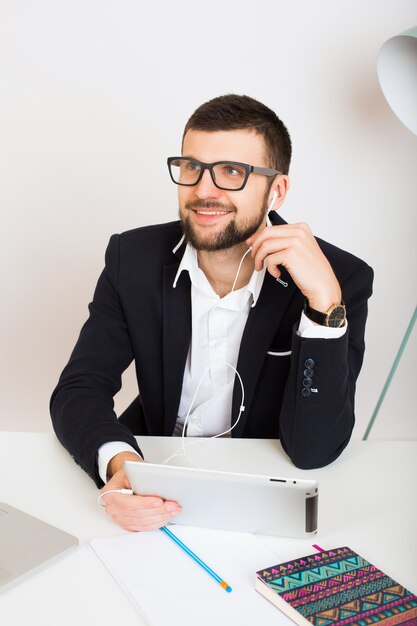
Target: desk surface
point(367, 501)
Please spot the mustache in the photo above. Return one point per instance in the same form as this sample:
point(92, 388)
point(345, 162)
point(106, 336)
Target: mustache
point(210, 204)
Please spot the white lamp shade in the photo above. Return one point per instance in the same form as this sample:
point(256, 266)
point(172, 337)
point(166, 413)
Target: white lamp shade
point(397, 73)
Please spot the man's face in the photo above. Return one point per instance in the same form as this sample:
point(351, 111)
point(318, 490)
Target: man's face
point(215, 219)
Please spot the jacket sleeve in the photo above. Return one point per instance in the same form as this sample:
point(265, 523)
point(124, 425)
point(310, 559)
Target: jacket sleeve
point(82, 407)
point(317, 415)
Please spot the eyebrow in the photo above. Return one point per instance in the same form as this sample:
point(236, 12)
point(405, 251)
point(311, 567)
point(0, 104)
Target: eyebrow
point(187, 156)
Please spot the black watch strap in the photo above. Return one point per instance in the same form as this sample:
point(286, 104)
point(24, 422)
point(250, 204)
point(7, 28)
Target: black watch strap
point(334, 317)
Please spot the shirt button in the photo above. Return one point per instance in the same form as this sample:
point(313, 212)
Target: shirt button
point(305, 391)
point(309, 363)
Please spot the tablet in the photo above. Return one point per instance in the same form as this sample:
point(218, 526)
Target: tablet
point(27, 544)
point(232, 501)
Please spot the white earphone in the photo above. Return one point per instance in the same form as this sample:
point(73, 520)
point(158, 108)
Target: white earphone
point(271, 204)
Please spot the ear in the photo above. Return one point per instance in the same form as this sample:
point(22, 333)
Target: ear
point(278, 191)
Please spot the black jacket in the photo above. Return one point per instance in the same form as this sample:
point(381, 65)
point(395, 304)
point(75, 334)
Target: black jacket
point(137, 314)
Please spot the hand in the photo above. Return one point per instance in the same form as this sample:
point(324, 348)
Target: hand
point(294, 247)
point(136, 513)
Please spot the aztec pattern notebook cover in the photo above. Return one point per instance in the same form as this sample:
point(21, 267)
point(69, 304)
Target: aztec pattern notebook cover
point(337, 588)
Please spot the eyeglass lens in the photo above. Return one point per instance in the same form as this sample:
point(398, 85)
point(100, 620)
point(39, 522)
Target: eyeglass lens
point(226, 175)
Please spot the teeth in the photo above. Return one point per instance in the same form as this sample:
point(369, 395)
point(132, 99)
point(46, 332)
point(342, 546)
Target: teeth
point(212, 212)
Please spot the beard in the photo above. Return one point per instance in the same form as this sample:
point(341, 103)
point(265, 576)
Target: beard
point(232, 235)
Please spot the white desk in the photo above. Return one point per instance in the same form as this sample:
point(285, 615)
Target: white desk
point(367, 501)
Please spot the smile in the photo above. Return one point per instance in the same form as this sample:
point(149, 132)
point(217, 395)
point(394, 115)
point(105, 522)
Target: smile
point(212, 212)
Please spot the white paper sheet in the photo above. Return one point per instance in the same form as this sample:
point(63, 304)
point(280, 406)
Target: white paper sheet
point(171, 589)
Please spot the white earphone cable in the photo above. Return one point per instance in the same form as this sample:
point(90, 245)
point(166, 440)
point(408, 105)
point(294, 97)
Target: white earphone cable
point(181, 451)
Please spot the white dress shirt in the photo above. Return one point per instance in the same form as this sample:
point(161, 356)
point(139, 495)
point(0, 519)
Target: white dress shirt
point(217, 328)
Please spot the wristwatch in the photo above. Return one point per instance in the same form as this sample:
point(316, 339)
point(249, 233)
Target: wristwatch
point(334, 317)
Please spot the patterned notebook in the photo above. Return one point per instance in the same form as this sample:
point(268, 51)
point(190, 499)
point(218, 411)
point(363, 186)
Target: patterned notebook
point(337, 588)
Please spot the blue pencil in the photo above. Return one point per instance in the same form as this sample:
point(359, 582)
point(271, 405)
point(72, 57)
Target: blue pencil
point(197, 559)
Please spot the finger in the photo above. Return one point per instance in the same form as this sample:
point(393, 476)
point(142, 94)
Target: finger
point(142, 528)
point(272, 243)
point(129, 502)
point(299, 231)
point(149, 504)
point(135, 506)
point(273, 268)
point(272, 247)
point(145, 520)
point(142, 522)
point(165, 509)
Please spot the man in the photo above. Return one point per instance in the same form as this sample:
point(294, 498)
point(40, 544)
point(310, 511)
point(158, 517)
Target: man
point(230, 287)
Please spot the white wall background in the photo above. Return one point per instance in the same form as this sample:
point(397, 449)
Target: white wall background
point(94, 95)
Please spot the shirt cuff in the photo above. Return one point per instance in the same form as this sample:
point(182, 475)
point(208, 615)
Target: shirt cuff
point(107, 451)
point(309, 330)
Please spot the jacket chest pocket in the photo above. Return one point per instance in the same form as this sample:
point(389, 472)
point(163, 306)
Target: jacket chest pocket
point(284, 353)
point(273, 376)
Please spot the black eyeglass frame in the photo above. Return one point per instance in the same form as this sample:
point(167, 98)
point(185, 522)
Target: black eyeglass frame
point(249, 169)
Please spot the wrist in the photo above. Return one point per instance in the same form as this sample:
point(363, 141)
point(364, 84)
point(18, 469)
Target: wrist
point(116, 462)
point(334, 317)
point(323, 302)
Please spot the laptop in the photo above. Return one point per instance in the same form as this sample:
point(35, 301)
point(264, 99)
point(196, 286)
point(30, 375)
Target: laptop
point(251, 503)
point(26, 544)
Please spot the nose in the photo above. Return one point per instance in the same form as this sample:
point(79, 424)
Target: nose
point(206, 189)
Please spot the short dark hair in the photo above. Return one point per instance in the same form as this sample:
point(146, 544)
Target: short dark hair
point(233, 112)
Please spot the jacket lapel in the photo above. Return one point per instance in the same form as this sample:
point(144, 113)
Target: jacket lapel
point(176, 340)
point(263, 322)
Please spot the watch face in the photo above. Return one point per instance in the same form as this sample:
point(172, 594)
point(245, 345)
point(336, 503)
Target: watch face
point(336, 318)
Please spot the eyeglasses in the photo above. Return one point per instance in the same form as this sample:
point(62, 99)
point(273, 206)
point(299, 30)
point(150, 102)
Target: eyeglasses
point(227, 175)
